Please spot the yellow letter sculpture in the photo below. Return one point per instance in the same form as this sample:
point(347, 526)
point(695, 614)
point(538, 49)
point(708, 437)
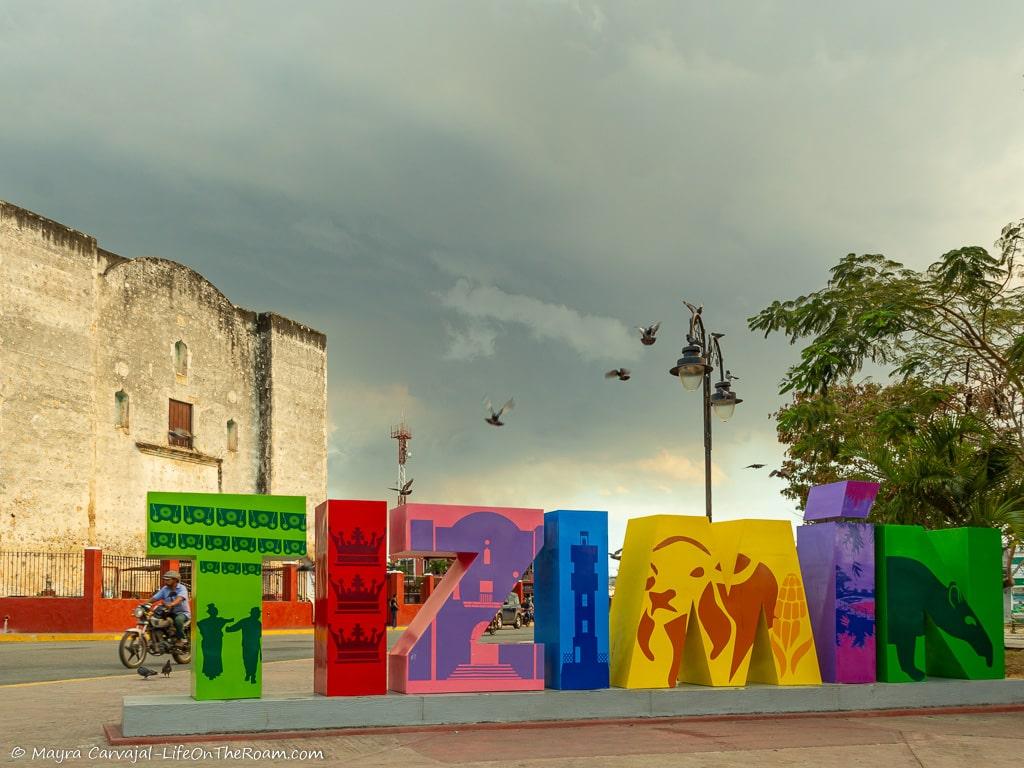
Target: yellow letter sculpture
point(713, 604)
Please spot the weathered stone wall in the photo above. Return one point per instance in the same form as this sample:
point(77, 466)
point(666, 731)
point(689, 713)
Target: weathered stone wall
point(77, 326)
point(47, 309)
point(146, 306)
point(296, 448)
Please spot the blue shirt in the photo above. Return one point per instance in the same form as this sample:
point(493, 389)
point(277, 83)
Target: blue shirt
point(167, 594)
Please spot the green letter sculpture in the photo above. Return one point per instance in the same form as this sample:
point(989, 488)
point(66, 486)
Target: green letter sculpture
point(939, 603)
point(227, 537)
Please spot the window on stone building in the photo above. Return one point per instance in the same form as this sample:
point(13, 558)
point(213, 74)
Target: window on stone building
point(179, 424)
point(121, 409)
point(181, 358)
point(232, 435)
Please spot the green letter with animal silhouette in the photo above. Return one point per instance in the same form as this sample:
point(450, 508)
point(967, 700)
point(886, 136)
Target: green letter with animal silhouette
point(939, 603)
point(227, 536)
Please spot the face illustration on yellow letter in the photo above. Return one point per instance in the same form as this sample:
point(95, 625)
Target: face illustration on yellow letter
point(725, 593)
point(683, 574)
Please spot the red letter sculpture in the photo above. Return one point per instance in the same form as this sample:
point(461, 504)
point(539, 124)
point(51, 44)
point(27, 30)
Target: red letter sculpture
point(350, 616)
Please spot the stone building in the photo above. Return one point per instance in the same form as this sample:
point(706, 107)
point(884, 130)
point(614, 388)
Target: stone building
point(120, 376)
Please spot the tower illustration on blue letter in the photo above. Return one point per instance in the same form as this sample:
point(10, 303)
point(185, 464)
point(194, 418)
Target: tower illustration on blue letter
point(571, 576)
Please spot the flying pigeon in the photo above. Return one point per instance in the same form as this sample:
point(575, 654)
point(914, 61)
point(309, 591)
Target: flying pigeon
point(695, 310)
point(622, 374)
point(731, 376)
point(494, 418)
point(405, 490)
point(616, 555)
point(146, 672)
point(647, 334)
point(779, 473)
point(166, 670)
point(754, 466)
point(178, 432)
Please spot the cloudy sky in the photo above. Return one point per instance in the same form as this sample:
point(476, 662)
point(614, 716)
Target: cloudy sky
point(483, 198)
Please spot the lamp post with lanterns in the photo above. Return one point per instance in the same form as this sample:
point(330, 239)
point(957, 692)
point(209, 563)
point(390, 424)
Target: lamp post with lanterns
point(694, 368)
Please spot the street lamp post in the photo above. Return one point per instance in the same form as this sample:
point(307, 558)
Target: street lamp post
point(694, 369)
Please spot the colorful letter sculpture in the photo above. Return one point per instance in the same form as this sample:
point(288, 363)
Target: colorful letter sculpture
point(838, 564)
point(940, 608)
point(570, 580)
point(493, 546)
point(350, 635)
point(847, 498)
point(710, 604)
point(227, 537)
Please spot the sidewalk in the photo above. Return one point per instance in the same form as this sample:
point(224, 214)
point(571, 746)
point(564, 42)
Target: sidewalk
point(69, 716)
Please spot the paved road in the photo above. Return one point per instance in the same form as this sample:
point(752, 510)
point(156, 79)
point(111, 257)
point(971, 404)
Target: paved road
point(33, 662)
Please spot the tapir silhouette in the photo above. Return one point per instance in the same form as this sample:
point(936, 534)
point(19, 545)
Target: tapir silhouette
point(914, 593)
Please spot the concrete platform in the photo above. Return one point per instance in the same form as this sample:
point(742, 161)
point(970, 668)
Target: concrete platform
point(181, 715)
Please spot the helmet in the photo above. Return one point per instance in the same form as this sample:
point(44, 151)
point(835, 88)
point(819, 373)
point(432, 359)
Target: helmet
point(172, 575)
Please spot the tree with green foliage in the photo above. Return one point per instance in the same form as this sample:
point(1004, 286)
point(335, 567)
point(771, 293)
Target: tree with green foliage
point(945, 439)
point(961, 319)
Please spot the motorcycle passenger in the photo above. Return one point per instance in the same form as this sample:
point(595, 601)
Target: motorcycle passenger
point(174, 596)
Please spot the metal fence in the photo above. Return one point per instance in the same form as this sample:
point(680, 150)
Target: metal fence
point(307, 586)
point(136, 578)
point(41, 574)
point(413, 589)
point(62, 574)
point(273, 582)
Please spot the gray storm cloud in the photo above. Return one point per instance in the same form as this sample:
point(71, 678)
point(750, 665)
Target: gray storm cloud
point(475, 196)
point(592, 336)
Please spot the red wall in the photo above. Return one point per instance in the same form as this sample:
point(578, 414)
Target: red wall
point(279, 614)
point(46, 614)
point(94, 613)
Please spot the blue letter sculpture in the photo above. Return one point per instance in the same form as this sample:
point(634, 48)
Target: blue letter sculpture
point(571, 589)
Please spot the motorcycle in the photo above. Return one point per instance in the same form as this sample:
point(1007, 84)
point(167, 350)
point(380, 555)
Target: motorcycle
point(495, 624)
point(154, 633)
point(528, 616)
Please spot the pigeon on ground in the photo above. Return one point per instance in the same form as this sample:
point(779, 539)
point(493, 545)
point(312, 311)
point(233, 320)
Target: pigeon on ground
point(754, 466)
point(146, 672)
point(647, 334)
point(405, 490)
point(622, 374)
point(167, 669)
point(494, 418)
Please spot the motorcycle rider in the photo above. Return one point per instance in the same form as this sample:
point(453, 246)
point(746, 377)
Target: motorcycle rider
point(174, 596)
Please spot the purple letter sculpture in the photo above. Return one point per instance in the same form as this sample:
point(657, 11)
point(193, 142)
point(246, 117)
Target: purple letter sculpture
point(848, 498)
point(838, 563)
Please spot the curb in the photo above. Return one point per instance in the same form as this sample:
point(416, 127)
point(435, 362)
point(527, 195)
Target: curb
point(114, 737)
point(80, 637)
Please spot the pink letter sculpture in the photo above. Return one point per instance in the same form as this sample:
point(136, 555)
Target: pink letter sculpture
point(439, 652)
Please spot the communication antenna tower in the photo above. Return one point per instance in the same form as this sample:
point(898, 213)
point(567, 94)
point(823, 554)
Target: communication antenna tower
point(403, 435)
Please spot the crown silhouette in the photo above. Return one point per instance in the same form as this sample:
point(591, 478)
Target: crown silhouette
point(357, 598)
point(357, 550)
point(358, 646)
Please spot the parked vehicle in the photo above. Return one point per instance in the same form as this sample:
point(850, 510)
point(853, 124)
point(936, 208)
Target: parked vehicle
point(512, 611)
point(154, 633)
